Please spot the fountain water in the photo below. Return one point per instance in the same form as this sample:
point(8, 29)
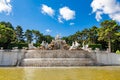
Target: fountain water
point(48, 58)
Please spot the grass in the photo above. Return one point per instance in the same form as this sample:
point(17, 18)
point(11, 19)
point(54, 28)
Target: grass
point(81, 73)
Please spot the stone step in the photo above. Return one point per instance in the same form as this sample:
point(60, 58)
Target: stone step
point(56, 54)
point(54, 62)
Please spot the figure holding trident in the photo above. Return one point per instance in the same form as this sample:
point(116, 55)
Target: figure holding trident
point(57, 37)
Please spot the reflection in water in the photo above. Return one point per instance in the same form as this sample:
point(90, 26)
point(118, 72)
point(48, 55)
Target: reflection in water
point(29, 74)
point(81, 73)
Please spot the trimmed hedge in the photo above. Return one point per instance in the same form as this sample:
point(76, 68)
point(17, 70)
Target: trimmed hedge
point(19, 45)
point(93, 46)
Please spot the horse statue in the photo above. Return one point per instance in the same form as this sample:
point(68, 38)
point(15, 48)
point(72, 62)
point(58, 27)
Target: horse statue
point(74, 46)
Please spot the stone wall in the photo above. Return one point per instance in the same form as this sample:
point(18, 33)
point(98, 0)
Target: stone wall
point(107, 58)
point(52, 58)
point(56, 54)
point(66, 57)
point(11, 57)
point(57, 62)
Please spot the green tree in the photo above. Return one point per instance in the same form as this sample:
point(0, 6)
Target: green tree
point(48, 38)
point(107, 32)
point(29, 36)
point(38, 37)
point(92, 35)
point(116, 43)
point(19, 33)
point(66, 39)
point(7, 24)
point(7, 35)
point(85, 35)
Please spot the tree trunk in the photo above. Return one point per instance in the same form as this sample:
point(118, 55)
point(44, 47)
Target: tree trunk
point(109, 45)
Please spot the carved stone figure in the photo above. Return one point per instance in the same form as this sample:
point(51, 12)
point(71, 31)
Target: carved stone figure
point(57, 37)
point(44, 45)
point(74, 46)
point(57, 43)
point(30, 46)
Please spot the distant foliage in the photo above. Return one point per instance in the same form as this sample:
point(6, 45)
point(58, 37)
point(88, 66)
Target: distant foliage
point(19, 45)
point(94, 46)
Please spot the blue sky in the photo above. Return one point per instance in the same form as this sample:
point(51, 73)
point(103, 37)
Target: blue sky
point(62, 17)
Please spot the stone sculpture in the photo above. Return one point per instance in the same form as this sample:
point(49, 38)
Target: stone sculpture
point(30, 46)
point(85, 47)
point(74, 46)
point(57, 43)
point(44, 45)
point(57, 37)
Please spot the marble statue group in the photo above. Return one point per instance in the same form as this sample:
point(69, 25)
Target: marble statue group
point(57, 43)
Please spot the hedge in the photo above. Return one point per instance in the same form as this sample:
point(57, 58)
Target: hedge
point(19, 45)
point(93, 46)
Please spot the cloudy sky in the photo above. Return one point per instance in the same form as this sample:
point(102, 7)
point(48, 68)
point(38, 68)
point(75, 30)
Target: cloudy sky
point(62, 17)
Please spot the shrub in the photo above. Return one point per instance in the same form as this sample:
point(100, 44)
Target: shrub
point(19, 45)
point(37, 44)
point(117, 52)
point(93, 46)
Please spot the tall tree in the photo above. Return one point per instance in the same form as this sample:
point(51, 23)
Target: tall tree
point(19, 33)
point(92, 35)
point(38, 37)
point(107, 32)
point(7, 24)
point(78, 36)
point(85, 34)
point(7, 35)
point(29, 35)
point(48, 38)
point(116, 44)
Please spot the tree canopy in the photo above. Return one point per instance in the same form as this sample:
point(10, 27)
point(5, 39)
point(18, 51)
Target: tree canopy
point(108, 31)
point(107, 35)
point(7, 35)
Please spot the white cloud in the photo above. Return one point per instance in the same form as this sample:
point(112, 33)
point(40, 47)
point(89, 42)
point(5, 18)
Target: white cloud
point(66, 14)
point(48, 30)
point(8, 1)
point(47, 10)
point(5, 6)
point(60, 19)
point(108, 7)
point(72, 23)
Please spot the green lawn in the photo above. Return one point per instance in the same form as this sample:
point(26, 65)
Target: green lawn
point(81, 73)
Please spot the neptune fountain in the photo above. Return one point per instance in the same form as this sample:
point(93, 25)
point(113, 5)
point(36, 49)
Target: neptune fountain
point(57, 53)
